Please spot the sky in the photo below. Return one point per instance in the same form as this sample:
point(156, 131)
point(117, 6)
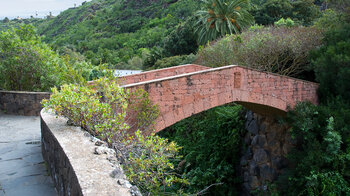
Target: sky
point(27, 8)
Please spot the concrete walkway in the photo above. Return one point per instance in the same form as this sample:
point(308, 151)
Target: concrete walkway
point(22, 169)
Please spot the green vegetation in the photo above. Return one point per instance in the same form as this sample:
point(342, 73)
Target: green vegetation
point(266, 12)
point(210, 168)
point(279, 50)
point(28, 64)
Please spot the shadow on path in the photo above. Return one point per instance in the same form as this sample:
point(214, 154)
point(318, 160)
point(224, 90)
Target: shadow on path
point(22, 168)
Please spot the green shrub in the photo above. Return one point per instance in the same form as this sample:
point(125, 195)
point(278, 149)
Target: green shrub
point(149, 164)
point(28, 64)
point(269, 11)
point(174, 61)
point(285, 23)
point(209, 165)
point(83, 106)
point(280, 50)
point(320, 162)
point(181, 41)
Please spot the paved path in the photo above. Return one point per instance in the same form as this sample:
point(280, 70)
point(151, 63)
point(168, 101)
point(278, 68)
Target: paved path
point(22, 169)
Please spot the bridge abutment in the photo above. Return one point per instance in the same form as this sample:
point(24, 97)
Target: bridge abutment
point(267, 143)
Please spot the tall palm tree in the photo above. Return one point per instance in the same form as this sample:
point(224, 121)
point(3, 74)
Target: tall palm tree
point(222, 17)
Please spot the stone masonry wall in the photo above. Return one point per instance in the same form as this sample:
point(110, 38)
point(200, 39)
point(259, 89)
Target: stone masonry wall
point(80, 164)
point(183, 95)
point(22, 103)
point(161, 73)
point(268, 142)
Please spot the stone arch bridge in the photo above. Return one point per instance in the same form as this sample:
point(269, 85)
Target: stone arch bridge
point(185, 90)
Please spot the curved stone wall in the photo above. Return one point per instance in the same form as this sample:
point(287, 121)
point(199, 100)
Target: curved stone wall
point(80, 164)
point(22, 102)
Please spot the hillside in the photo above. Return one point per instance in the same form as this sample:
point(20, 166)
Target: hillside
point(114, 31)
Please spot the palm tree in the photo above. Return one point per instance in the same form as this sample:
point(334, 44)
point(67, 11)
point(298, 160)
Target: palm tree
point(222, 17)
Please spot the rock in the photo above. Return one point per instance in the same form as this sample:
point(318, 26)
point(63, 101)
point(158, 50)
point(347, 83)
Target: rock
point(262, 128)
point(267, 173)
point(117, 173)
point(248, 154)
point(249, 116)
point(247, 139)
point(104, 150)
point(253, 127)
point(260, 156)
point(98, 142)
point(253, 182)
point(135, 191)
point(246, 176)
point(259, 141)
point(253, 168)
point(246, 189)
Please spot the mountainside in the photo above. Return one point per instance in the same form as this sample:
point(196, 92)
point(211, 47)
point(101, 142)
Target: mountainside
point(114, 31)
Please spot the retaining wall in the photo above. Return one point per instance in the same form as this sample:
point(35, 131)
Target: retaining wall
point(22, 102)
point(80, 164)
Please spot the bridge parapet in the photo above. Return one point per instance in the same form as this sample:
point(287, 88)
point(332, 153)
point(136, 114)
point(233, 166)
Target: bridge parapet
point(161, 73)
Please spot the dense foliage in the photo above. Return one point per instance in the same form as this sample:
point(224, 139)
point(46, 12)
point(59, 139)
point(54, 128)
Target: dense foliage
point(275, 49)
point(266, 12)
point(209, 165)
point(321, 158)
point(28, 64)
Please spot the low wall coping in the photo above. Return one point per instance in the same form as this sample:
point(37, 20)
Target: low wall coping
point(94, 172)
point(25, 92)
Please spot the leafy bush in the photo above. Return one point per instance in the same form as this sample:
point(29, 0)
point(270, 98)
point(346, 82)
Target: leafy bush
point(269, 11)
point(28, 64)
point(285, 23)
point(174, 61)
point(106, 110)
point(321, 164)
point(83, 106)
point(210, 169)
point(149, 164)
point(181, 41)
point(280, 50)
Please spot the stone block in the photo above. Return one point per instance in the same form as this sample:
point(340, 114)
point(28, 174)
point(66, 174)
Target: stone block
point(260, 156)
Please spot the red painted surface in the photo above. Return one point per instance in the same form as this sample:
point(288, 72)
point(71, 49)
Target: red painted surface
point(186, 90)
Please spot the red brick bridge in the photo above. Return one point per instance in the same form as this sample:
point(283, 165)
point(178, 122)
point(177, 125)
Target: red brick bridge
point(185, 90)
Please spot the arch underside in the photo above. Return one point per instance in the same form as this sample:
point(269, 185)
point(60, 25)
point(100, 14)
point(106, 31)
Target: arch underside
point(180, 112)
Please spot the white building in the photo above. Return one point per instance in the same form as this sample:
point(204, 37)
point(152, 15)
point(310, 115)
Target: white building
point(119, 72)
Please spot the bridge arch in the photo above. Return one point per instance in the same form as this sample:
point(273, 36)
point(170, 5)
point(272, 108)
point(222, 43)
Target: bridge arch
point(186, 94)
